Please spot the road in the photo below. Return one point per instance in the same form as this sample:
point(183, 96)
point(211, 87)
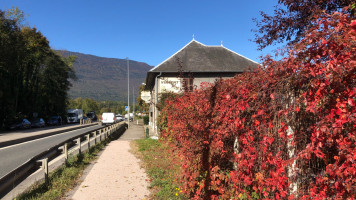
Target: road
point(30, 130)
point(15, 155)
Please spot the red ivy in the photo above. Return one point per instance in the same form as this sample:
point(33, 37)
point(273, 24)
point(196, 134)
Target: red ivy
point(293, 120)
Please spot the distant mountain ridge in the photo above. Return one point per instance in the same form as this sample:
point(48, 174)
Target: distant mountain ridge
point(105, 79)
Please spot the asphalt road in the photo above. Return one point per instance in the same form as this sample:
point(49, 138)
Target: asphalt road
point(13, 156)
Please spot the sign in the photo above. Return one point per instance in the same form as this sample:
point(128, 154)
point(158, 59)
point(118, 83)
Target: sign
point(146, 96)
point(126, 108)
point(169, 85)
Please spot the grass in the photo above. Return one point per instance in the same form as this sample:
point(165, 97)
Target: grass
point(159, 168)
point(63, 179)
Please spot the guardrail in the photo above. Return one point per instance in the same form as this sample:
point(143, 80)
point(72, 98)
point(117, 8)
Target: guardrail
point(13, 178)
point(49, 132)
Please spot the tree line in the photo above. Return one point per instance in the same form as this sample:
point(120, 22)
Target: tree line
point(34, 78)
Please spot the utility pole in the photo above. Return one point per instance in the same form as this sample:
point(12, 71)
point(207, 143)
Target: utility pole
point(133, 103)
point(133, 100)
point(128, 92)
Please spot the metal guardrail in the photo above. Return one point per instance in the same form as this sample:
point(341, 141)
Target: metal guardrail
point(17, 175)
point(33, 137)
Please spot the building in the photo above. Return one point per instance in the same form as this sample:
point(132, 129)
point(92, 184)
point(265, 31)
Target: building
point(203, 63)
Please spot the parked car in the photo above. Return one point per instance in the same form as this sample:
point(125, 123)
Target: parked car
point(107, 118)
point(20, 124)
point(127, 116)
point(91, 115)
point(119, 118)
point(55, 120)
point(38, 122)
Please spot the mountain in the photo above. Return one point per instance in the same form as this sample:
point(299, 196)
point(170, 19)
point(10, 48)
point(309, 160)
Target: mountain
point(105, 79)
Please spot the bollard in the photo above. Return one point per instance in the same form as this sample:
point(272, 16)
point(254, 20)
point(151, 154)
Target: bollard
point(88, 139)
point(147, 133)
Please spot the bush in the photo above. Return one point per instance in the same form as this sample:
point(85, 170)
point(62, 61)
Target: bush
point(285, 130)
point(146, 119)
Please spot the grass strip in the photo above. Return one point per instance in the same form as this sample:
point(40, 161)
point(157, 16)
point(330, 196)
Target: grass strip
point(64, 178)
point(161, 170)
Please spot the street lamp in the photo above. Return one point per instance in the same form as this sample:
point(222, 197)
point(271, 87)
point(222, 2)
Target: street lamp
point(128, 93)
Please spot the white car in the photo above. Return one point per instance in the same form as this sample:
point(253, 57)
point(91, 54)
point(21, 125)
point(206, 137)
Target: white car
point(107, 118)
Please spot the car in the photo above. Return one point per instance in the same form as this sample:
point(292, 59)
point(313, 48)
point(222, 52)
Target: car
point(119, 118)
point(20, 124)
point(55, 120)
point(38, 122)
point(127, 116)
point(108, 118)
point(91, 115)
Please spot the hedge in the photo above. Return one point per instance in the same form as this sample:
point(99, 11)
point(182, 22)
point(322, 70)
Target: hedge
point(286, 130)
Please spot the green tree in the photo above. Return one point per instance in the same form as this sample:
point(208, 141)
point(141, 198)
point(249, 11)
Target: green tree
point(16, 15)
point(33, 77)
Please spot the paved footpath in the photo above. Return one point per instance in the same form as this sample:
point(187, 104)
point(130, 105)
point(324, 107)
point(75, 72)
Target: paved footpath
point(116, 174)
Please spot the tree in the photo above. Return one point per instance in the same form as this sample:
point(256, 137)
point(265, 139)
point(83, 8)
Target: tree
point(10, 49)
point(16, 15)
point(34, 79)
point(293, 17)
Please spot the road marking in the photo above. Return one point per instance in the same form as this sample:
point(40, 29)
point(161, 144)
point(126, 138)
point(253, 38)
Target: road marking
point(44, 137)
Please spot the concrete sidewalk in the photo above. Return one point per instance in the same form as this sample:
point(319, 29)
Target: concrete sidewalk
point(116, 174)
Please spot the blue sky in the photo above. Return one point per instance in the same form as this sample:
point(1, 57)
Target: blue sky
point(145, 31)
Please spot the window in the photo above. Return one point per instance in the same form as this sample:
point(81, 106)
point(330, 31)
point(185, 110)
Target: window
point(188, 84)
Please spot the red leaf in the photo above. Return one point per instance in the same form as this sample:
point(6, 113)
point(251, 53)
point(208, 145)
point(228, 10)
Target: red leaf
point(296, 109)
point(272, 96)
point(257, 122)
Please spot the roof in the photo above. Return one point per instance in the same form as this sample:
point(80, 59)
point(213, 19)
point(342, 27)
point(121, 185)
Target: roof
point(197, 57)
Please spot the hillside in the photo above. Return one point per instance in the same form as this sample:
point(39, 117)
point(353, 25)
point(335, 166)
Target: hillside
point(105, 79)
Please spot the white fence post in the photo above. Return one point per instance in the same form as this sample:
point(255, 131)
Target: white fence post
point(45, 169)
point(80, 146)
point(88, 139)
point(94, 133)
point(65, 151)
point(99, 134)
